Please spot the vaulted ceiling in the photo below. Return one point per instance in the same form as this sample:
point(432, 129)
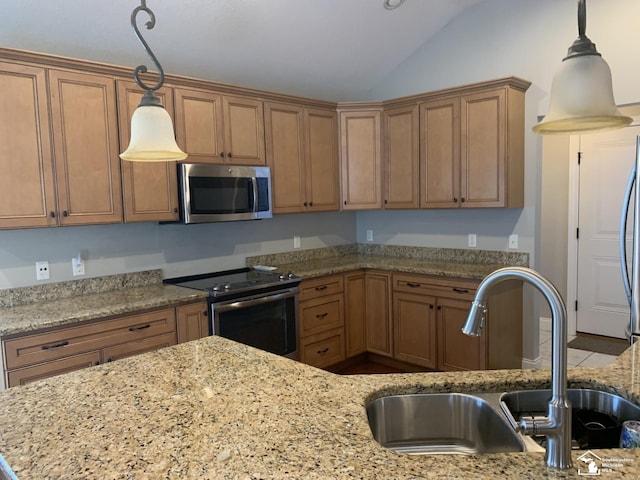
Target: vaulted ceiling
point(329, 49)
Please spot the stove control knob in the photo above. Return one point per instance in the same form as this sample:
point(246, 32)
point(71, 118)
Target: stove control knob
point(291, 275)
point(227, 286)
point(282, 276)
point(217, 288)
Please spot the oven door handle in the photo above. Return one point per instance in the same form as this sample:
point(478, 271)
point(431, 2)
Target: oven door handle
point(250, 302)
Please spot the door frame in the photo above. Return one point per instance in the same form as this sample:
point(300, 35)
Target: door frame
point(632, 110)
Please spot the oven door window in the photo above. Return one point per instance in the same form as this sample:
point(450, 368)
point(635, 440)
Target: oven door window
point(220, 195)
point(268, 325)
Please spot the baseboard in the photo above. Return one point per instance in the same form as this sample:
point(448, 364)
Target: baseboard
point(528, 363)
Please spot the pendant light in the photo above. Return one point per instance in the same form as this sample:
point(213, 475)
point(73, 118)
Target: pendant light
point(581, 90)
point(152, 134)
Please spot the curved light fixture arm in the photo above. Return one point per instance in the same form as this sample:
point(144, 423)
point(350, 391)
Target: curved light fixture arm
point(582, 45)
point(143, 68)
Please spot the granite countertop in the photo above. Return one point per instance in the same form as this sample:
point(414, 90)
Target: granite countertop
point(444, 262)
point(216, 409)
point(55, 313)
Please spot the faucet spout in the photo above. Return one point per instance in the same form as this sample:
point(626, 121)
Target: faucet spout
point(556, 425)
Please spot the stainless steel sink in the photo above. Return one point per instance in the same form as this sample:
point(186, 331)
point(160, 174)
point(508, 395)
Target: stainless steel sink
point(596, 416)
point(441, 423)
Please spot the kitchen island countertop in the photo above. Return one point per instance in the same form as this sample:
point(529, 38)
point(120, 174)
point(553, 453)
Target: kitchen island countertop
point(216, 409)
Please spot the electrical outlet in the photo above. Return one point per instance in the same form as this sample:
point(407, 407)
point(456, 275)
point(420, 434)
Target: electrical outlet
point(77, 265)
point(42, 270)
point(296, 241)
point(472, 239)
point(369, 235)
point(513, 241)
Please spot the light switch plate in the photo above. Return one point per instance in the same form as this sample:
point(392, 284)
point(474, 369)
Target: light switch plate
point(77, 265)
point(369, 235)
point(296, 241)
point(513, 241)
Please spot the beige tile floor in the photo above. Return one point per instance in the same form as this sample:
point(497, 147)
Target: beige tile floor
point(575, 357)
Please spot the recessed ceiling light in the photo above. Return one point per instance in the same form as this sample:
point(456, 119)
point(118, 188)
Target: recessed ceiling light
point(392, 4)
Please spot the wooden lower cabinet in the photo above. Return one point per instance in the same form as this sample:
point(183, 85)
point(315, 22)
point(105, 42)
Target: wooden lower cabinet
point(323, 349)
point(192, 321)
point(321, 321)
point(414, 329)
point(457, 351)
point(378, 313)
point(355, 318)
point(39, 355)
point(22, 376)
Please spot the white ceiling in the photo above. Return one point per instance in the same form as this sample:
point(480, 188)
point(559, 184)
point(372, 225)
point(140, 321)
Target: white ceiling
point(329, 49)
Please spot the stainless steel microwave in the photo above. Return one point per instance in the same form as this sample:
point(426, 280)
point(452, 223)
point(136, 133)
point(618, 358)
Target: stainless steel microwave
point(219, 193)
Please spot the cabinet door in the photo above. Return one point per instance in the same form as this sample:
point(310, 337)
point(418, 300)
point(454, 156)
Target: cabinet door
point(440, 153)
point(22, 376)
point(360, 155)
point(401, 159)
point(284, 137)
point(146, 344)
point(199, 125)
point(244, 131)
point(27, 193)
point(150, 188)
point(192, 322)
point(378, 313)
point(415, 336)
point(483, 149)
point(322, 169)
point(457, 351)
point(355, 313)
point(85, 140)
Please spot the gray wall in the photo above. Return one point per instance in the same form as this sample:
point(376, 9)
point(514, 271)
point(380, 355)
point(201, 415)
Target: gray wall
point(177, 249)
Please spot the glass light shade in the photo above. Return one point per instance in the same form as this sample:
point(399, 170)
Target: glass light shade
point(582, 98)
point(152, 137)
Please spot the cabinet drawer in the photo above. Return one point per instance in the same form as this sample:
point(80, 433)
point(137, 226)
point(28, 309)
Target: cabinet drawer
point(323, 349)
point(22, 376)
point(64, 342)
point(321, 314)
point(422, 284)
point(143, 345)
point(319, 287)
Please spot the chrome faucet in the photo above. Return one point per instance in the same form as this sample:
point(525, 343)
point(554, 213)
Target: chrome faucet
point(556, 425)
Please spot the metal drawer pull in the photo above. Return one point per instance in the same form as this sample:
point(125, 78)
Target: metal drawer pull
point(140, 327)
point(322, 315)
point(321, 352)
point(319, 289)
point(460, 290)
point(413, 284)
point(55, 345)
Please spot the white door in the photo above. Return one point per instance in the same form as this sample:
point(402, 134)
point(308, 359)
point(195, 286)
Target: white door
point(606, 162)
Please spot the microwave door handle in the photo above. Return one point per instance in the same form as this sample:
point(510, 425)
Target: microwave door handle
point(254, 187)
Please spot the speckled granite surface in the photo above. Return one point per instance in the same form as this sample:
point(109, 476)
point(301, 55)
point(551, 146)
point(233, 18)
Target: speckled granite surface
point(449, 262)
point(63, 303)
point(215, 409)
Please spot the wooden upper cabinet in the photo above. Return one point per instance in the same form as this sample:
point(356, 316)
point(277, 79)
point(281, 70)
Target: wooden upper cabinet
point(199, 125)
point(492, 128)
point(360, 157)
point(440, 153)
point(244, 130)
point(27, 192)
point(213, 128)
point(85, 141)
point(150, 189)
point(401, 157)
point(322, 166)
point(472, 149)
point(284, 127)
point(301, 146)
